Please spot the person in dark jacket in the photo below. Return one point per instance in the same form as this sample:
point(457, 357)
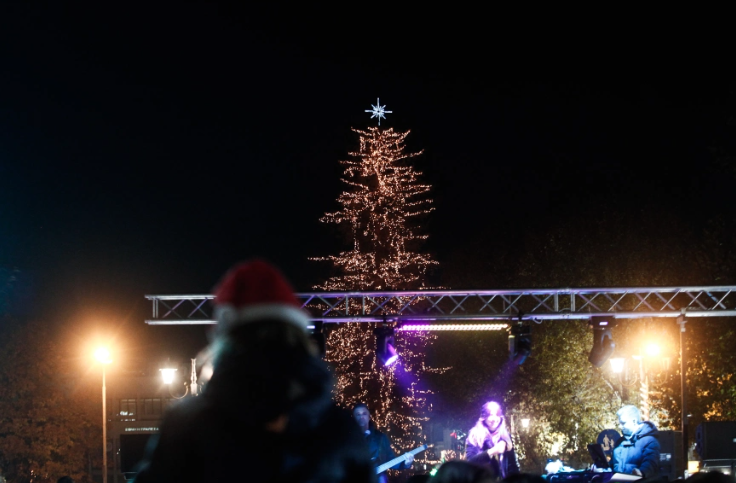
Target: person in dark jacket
point(637, 453)
point(489, 442)
point(266, 414)
point(379, 446)
point(460, 471)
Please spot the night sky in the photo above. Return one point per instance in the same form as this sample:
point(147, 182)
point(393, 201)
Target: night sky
point(146, 150)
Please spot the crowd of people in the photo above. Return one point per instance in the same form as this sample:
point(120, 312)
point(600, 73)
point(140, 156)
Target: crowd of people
point(267, 413)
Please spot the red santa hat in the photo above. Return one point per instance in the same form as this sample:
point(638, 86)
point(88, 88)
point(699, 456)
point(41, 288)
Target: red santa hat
point(253, 291)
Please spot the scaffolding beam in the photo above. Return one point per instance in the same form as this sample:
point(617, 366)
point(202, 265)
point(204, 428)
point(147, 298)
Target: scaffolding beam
point(428, 306)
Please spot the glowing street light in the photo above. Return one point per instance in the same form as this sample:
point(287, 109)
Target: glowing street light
point(168, 375)
point(649, 352)
point(617, 364)
point(102, 355)
point(525, 422)
point(652, 350)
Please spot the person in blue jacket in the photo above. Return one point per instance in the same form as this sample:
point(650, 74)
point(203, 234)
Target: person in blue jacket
point(637, 453)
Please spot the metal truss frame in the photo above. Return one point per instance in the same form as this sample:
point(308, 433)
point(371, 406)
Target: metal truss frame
point(431, 306)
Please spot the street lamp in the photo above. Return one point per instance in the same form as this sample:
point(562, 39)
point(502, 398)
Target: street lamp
point(618, 366)
point(103, 357)
point(167, 374)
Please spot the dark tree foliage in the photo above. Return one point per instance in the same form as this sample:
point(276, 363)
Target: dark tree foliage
point(567, 399)
point(48, 414)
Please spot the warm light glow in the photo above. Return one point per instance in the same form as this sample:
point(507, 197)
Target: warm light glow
point(525, 422)
point(652, 350)
point(617, 364)
point(168, 375)
point(383, 198)
point(102, 354)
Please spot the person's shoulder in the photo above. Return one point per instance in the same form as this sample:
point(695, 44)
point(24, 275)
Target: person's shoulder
point(187, 411)
point(478, 430)
point(648, 429)
point(336, 416)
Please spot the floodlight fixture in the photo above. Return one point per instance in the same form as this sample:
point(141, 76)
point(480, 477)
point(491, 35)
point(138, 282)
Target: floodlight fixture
point(386, 345)
point(318, 336)
point(603, 344)
point(520, 343)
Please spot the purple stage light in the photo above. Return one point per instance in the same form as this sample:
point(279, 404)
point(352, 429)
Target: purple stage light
point(386, 345)
point(418, 327)
point(393, 356)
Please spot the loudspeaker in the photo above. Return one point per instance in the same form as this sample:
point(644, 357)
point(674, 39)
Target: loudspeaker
point(716, 440)
point(671, 464)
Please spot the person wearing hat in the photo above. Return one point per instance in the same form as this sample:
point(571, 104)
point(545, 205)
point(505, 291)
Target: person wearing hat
point(266, 414)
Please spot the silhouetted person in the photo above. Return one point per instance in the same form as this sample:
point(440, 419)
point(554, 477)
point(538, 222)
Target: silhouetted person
point(524, 478)
point(460, 471)
point(379, 446)
point(266, 413)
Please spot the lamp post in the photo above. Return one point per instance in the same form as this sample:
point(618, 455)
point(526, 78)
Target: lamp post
point(681, 321)
point(618, 366)
point(103, 357)
point(192, 388)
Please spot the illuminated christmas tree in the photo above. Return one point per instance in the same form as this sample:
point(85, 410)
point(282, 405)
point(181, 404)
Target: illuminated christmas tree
point(380, 209)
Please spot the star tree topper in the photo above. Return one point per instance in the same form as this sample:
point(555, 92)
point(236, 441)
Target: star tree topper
point(378, 111)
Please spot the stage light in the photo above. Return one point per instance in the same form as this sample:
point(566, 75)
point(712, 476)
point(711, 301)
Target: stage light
point(318, 336)
point(386, 345)
point(520, 343)
point(426, 327)
point(603, 344)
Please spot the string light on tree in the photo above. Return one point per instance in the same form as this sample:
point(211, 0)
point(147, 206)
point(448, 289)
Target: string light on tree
point(380, 209)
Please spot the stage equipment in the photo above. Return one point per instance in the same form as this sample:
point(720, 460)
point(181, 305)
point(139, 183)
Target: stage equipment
point(386, 345)
point(520, 343)
point(671, 464)
point(716, 440)
point(603, 344)
point(318, 336)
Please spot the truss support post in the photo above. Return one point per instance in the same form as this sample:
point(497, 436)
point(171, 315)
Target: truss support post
point(681, 320)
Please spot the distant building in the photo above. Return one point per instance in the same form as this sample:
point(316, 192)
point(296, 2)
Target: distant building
point(136, 402)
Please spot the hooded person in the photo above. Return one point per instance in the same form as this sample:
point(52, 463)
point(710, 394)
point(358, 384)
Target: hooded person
point(637, 453)
point(266, 412)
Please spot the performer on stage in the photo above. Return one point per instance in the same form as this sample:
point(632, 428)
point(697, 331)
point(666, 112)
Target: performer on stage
point(378, 444)
point(637, 453)
point(489, 442)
